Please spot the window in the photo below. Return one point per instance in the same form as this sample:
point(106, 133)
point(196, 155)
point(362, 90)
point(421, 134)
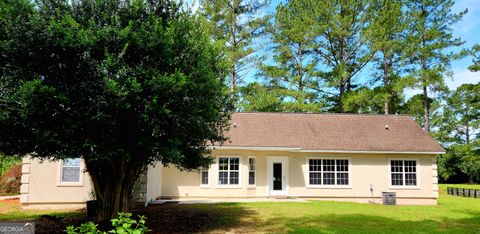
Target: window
point(328, 171)
point(403, 172)
point(251, 171)
point(228, 171)
point(70, 171)
point(204, 177)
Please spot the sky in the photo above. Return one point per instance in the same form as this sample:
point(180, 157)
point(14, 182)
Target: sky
point(468, 29)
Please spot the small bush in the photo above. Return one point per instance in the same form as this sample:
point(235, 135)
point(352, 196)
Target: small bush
point(123, 224)
point(10, 181)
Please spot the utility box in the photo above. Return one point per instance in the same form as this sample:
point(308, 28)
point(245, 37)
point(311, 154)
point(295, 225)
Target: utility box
point(389, 198)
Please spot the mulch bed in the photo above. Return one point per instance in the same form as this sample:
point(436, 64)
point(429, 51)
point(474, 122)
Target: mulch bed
point(167, 218)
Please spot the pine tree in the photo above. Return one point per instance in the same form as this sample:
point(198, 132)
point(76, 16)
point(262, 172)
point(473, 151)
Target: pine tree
point(387, 41)
point(459, 129)
point(429, 35)
point(342, 33)
point(236, 24)
point(475, 53)
point(292, 67)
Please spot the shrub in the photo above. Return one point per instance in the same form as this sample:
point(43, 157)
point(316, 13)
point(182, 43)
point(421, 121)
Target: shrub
point(123, 224)
point(10, 181)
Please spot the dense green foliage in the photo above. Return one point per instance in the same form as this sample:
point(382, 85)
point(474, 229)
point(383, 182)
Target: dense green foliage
point(7, 162)
point(121, 84)
point(459, 130)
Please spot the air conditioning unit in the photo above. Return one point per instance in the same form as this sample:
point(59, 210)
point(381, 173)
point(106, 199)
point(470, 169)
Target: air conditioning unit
point(389, 198)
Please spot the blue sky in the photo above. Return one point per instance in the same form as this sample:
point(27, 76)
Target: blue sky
point(468, 29)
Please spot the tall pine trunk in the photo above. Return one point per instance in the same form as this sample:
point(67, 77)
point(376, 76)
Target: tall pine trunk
point(385, 80)
point(426, 105)
point(113, 183)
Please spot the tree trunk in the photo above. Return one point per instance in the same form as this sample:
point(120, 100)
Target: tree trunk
point(233, 31)
point(470, 179)
point(426, 109)
point(385, 80)
point(113, 181)
point(232, 80)
point(340, 98)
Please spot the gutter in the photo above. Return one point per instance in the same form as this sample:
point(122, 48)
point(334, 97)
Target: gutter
point(292, 149)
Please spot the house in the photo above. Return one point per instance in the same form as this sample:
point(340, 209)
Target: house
point(343, 157)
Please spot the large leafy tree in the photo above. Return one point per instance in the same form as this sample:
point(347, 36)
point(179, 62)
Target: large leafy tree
point(236, 24)
point(121, 84)
point(429, 37)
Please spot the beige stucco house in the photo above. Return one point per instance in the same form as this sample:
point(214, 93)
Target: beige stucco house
point(316, 156)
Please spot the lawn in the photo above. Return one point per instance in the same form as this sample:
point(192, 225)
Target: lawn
point(451, 215)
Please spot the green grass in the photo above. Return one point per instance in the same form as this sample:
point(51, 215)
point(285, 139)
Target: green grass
point(451, 215)
point(10, 211)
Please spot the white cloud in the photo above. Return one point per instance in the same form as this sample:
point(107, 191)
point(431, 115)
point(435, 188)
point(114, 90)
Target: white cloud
point(463, 76)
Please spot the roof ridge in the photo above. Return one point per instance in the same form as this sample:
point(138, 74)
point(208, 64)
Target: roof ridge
point(309, 113)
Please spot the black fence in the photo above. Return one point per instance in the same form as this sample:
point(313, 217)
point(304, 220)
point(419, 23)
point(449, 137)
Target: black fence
point(463, 192)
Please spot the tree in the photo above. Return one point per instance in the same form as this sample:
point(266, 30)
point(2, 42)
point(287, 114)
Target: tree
point(121, 84)
point(372, 100)
point(475, 53)
point(469, 162)
point(259, 97)
point(235, 24)
point(429, 35)
point(387, 41)
point(341, 30)
point(414, 108)
point(292, 67)
point(459, 129)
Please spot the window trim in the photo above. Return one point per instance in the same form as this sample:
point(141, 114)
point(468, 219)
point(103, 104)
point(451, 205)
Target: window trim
point(317, 186)
point(60, 183)
point(254, 171)
point(240, 170)
point(209, 177)
point(403, 187)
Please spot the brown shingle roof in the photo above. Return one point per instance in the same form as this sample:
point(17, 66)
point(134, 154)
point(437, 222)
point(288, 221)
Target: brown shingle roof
point(344, 132)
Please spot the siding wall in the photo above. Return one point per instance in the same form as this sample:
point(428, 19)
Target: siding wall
point(40, 187)
point(365, 169)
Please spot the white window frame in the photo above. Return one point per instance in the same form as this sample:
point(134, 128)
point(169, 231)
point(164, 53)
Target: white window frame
point(400, 187)
point(254, 171)
point(335, 186)
point(207, 185)
point(240, 169)
point(78, 183)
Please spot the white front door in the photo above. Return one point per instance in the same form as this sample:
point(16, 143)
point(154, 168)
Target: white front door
point(277, 175)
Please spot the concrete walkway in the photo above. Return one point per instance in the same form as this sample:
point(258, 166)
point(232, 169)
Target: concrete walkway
point(9, 197)
point(221, 200)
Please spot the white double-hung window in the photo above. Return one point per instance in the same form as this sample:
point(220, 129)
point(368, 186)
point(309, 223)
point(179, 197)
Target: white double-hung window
point(403, 172)
point(228, 171)
point(328, 172)
point(251, 171)
point(70, 171)
point(204, 177)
